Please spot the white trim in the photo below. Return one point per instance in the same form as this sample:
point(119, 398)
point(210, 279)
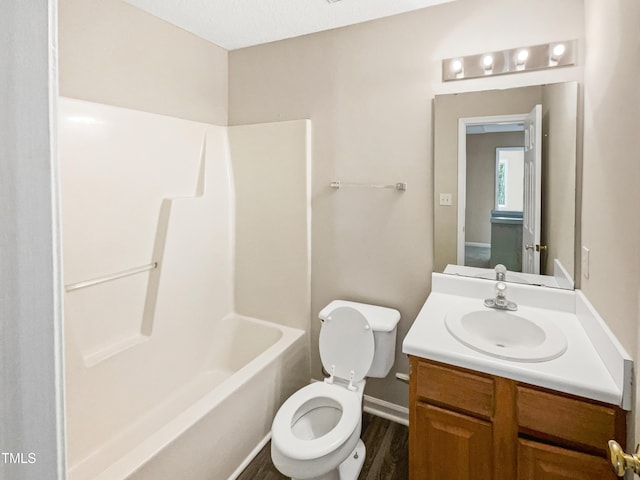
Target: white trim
point(31, 344)
point(386, 410)
point(462, 169)
point(254, 453)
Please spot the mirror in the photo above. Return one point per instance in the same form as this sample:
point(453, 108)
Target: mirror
point(485, 199)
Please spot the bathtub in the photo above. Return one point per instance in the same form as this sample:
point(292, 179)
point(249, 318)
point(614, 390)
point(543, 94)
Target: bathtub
point(213, 425)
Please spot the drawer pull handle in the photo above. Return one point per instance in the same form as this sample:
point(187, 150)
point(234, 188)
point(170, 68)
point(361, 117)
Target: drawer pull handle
point(621, 461)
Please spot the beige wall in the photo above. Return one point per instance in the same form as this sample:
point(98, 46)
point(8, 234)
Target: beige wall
point(271, 168)
point(481, 176)
point(559, 107)
point(611, 193)
point(368, 91)
point(113, 53)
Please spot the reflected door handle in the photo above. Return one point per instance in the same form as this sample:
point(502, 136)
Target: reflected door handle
point(620, 461)
point(538, 248)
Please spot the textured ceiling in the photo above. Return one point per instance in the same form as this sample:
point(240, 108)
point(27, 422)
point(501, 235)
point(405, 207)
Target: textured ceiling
point(234, 24)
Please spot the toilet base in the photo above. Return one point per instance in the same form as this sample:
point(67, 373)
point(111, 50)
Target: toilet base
point(350, 468)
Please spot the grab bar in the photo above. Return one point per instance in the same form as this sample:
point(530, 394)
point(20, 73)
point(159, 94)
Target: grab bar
point(107, 278)
point(402, 186)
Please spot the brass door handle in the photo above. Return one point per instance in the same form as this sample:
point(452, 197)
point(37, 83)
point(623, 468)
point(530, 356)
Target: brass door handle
point(621, 461)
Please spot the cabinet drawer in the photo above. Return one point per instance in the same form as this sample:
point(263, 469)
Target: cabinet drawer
point(537, 461)
point(566, 418)
point(455, 388)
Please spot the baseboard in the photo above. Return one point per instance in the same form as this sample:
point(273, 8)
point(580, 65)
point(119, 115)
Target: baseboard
point(245, 463)
point(386, 410)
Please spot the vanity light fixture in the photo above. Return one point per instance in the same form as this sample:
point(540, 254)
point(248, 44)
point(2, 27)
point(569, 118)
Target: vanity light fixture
point(521, 59)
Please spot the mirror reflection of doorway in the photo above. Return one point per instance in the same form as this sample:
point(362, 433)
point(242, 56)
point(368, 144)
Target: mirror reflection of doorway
point(511, 236)
point(507, 216)
point(494, 199)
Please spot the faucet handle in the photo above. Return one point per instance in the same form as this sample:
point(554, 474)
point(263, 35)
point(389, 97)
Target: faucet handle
point(500, 301)
point(501, 272)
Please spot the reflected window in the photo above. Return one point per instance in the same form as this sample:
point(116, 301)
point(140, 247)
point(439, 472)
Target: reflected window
point(509, 179)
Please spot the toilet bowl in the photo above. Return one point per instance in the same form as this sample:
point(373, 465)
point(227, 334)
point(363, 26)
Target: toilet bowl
point(315, 430)
point(316, 433)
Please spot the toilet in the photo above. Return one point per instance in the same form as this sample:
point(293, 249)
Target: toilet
point(316, 433)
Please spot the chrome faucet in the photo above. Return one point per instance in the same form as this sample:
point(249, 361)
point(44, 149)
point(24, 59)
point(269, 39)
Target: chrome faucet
point(501, 302)
point(501, 272)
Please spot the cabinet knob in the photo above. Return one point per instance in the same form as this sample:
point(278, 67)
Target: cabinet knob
point(621, 461)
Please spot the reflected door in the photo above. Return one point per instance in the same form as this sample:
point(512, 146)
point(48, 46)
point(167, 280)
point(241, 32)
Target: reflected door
point(532, 191)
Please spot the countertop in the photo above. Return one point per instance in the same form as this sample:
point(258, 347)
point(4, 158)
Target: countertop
point(582, 370)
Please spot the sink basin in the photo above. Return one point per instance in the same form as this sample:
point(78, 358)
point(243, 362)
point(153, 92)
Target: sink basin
point(508, 335)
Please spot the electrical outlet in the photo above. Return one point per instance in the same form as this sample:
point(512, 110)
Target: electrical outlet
point(446, 199)
point(585, 262)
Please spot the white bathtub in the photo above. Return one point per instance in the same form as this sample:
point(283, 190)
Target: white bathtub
point(210, 427)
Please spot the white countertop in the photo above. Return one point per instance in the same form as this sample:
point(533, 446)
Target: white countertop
point(580, 371)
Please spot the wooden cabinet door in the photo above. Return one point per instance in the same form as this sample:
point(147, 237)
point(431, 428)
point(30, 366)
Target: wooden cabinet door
point(538, 461)
point(450, 446)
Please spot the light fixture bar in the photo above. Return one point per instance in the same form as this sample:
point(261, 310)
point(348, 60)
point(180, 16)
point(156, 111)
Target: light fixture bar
point(514, 60)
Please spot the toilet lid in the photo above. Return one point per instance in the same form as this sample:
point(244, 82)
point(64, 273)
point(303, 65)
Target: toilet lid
point(346, 343)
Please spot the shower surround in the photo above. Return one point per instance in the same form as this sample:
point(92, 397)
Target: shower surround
point(163, 366)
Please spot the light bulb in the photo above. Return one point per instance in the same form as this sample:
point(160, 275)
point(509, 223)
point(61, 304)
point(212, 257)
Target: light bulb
point(487, 61)
point(558, 50)
point(522, 56)
point(456, 66)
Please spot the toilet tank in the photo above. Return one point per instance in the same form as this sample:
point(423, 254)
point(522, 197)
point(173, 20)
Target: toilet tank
point(384, 323)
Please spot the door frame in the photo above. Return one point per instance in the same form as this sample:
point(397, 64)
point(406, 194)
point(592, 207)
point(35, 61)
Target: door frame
point(463, 123)
point(31, 344)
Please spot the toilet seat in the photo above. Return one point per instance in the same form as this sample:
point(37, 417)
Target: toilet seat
point(302, 402)
point(346, 345)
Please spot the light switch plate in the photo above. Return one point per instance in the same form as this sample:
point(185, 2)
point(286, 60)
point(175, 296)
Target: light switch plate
point(446, 199)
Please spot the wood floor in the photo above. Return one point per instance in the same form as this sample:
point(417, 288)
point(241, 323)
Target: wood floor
point(387, 458)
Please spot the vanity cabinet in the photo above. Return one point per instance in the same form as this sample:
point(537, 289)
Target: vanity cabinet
point(466, 425)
